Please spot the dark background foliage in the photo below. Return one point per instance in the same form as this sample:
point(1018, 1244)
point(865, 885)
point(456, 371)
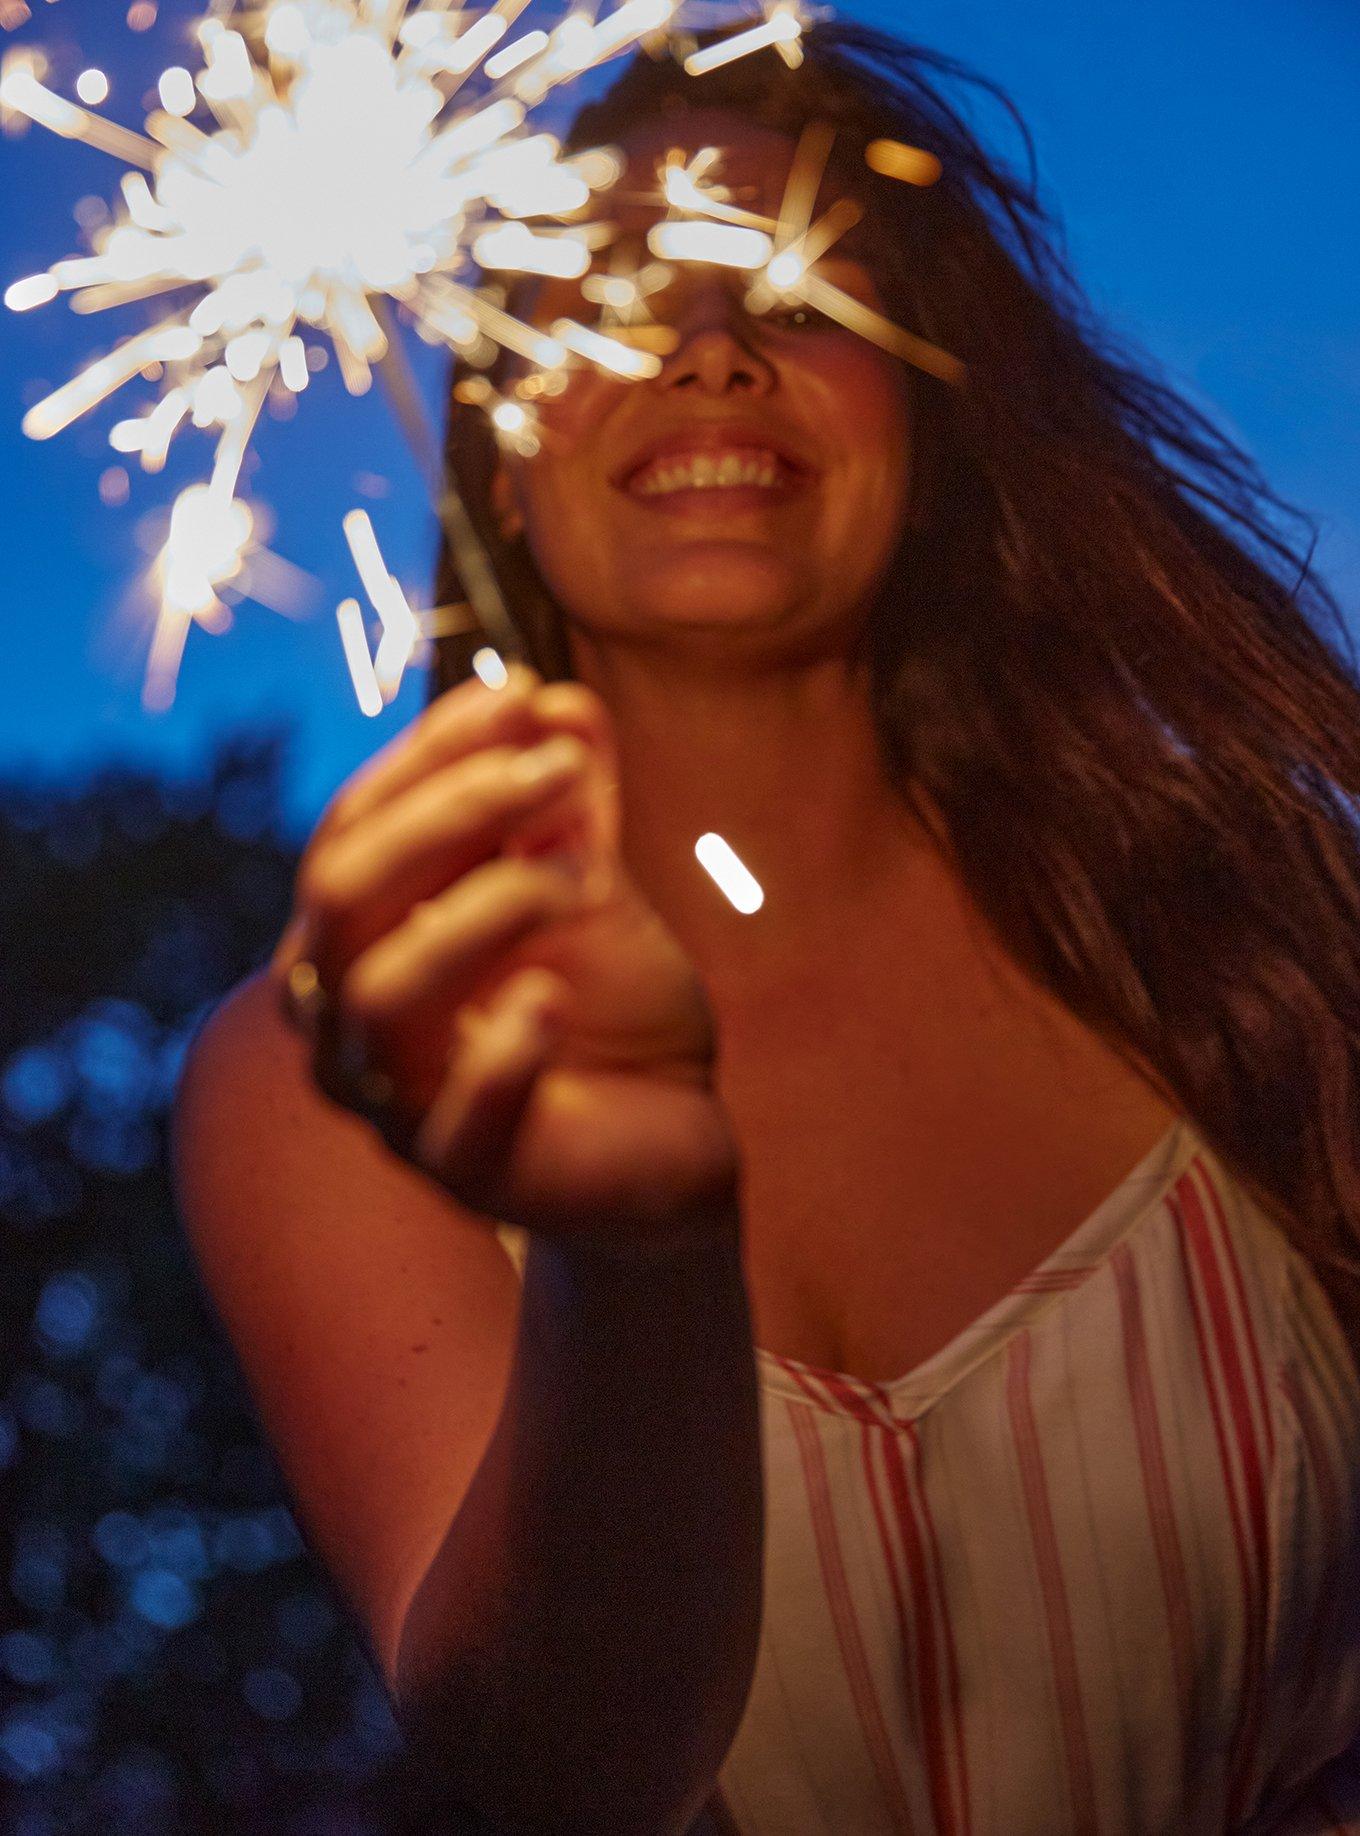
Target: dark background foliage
point(171, 1658)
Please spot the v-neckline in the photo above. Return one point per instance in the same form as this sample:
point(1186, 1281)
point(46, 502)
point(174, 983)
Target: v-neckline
point(1138, 1195)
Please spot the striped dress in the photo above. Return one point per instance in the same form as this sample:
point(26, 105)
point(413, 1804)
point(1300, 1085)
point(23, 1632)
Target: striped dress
point(1092, 1568)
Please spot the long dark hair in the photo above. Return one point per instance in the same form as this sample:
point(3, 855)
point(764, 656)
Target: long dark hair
point(1099, 653)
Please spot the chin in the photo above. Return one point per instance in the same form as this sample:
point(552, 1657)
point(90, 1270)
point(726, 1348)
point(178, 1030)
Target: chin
point(716, 584)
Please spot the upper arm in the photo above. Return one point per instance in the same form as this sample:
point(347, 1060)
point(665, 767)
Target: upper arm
point(374, 1319)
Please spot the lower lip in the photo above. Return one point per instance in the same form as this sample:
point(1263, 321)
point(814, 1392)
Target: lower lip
point(730, 500)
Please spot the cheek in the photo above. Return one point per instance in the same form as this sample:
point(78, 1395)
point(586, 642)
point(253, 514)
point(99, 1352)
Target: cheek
point(864, 417)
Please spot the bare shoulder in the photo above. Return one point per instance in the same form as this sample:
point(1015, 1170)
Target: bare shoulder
point(373, 1318)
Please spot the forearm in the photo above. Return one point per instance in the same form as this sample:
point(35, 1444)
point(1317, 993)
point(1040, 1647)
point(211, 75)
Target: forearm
point(580, 1652)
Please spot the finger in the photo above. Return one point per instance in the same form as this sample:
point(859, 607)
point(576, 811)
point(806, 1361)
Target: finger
point(448, 946)
point(463, 720)
point(360, 884)
point(571, 707)
point(467, 1136)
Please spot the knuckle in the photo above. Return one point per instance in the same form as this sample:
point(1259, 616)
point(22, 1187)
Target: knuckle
point(320, 884)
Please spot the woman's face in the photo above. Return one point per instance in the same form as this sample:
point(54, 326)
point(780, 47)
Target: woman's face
point(753, 491)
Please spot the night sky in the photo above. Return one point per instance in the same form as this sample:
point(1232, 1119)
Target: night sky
point(1205, 160)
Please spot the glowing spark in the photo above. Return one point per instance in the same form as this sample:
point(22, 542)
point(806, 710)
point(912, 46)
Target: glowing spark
point(509, 417)
point(92, 86)
point(683, 191)
point(22, 92)
point(37, 290)
point(513, 245)
point(894, 159)
point(165, 344)
point(782, 29)
point(858, 317)
point(514, 55)
point(608, 353)
point(293, 365)
point(362, 674)
point(401, 629)
point(490, 668)
point(207, 546)
point(176, 91)
point(721, 244)
point(727, 872)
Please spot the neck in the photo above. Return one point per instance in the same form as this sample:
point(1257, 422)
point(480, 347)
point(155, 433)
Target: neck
point(784, 765)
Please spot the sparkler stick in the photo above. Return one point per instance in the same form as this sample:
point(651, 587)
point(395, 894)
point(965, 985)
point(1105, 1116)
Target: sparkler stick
point(471, 560)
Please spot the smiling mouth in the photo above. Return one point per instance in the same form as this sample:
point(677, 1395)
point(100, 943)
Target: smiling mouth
point(755, 472)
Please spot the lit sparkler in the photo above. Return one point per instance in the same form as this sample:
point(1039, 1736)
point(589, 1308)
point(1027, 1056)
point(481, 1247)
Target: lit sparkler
point(327, 157)
point(350, 156)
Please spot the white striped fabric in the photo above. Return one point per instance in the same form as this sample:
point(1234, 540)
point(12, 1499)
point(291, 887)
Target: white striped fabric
point(1093, 1569)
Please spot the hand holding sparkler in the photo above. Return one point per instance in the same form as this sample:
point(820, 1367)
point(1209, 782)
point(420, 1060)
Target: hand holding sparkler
point(544, 1045)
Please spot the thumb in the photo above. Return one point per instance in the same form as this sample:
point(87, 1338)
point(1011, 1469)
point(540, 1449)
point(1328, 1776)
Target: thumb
point(468, 1134)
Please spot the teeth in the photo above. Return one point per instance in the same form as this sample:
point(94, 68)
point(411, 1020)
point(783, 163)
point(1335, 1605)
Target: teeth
point(710, 472)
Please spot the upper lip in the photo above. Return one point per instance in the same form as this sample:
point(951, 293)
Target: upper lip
point(711, 437)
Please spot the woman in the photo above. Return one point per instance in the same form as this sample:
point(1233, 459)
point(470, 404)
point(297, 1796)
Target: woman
point(929, 1406)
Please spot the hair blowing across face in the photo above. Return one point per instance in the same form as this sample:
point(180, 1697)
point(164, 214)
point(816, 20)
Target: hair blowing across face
point(1096, 652)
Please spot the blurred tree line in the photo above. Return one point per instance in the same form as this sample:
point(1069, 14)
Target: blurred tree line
point(171, 1658)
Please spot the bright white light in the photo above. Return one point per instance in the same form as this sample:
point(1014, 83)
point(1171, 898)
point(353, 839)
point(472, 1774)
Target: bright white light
point(176, 91)
point(785, 271)
point(609, 353)
point(293, 365)
point(514, 55)
point(361, 672)
point(488, 665)
point(35, 290)
point(726, 870)
point(286, 33)
point(92, 86)
point(205, 549)
point(783, 27)
point(722, 244)
point(513, 245)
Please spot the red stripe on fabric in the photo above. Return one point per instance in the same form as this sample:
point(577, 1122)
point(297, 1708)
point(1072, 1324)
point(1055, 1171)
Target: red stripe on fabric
point(1249, 1325)
point(893, 1569)
point(1062, 1646)
point(829, 1391)
point(1248, 1453)
point(1182, 1201)
point(1156, 1483)
point(927, 1654)
point(1058, 1282)
point(950, 1650)
point(853, 1656)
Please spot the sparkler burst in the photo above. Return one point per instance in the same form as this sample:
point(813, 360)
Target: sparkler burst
point(331, 159)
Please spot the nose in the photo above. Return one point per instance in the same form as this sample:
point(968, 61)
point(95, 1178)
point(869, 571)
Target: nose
point(716, 354)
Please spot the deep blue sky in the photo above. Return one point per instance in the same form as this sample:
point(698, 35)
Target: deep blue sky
point(1204, 158)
